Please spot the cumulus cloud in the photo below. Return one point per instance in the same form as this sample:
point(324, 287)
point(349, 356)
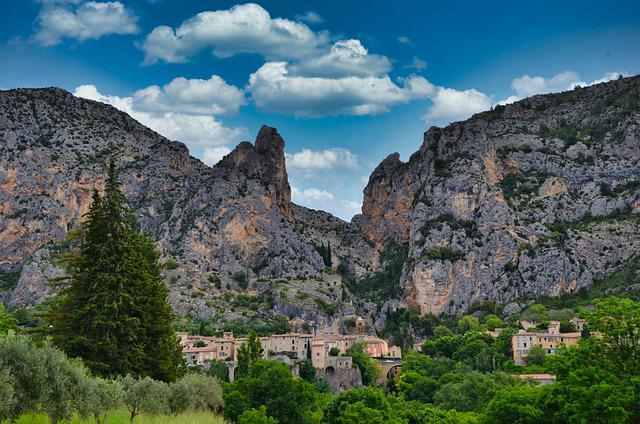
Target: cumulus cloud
point(321, 199)
point(246, 28)
point(311, 196)
point(213, 155)
point(274, 90)
point(417, 64)
point(404, 39)
point(345, 58)
point(451, 105)
point(82, 21)
point(310, 17)
point(526, 85)
point(197, 131)
point(331, 159)
point(194, 96)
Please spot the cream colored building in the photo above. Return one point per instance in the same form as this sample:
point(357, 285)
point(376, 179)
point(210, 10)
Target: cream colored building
point(294, 345)
point(523, 341)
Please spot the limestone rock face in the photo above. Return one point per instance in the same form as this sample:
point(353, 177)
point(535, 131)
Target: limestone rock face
point(215, 221)
point(535, 198)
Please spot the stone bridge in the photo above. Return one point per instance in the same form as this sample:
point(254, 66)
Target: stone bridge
point(389, 368)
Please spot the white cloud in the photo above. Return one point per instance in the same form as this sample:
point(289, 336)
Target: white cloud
point(197, 131)
point(213, 155)
point(323, 200)
point(417, 64)
point(609, 76)
point(345, 58)
point(335, 158)
point(311, 196)
point(311, 17)
point(193, 96)
point(453, 105)
point(274, 90)
point(246, 28)
point(89, 20)
point(526, 86)
point(404, 39)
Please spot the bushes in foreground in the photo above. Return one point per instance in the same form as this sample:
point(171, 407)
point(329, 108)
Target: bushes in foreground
point(39, 378)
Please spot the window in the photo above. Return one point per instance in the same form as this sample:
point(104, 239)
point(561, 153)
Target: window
point(525, 345)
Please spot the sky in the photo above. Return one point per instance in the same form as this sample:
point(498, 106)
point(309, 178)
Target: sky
point(346, 83)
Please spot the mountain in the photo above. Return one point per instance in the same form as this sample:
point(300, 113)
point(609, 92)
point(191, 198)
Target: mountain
point(211, 224)
point(535, 198)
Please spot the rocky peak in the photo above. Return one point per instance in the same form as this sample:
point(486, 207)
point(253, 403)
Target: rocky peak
point(264, 161)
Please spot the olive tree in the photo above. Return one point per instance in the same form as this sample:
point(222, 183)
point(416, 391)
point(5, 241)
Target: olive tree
point(195, 392)
point(144, 395)
point(100, 396)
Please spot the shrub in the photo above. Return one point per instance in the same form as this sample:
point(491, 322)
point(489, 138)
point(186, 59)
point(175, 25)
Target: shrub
point(442, 254)
point(256, 416)
point(195, 392)
point(242, 279)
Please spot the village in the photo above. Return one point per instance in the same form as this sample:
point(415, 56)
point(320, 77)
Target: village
point(328, 352)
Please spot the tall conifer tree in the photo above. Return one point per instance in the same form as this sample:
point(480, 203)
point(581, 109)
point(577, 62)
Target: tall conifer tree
point(114, 312)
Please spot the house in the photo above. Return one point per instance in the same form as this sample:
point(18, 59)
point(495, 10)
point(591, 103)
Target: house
point(201, 350)
point(523, 341)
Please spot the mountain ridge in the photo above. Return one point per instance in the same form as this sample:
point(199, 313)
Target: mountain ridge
point(479, 205)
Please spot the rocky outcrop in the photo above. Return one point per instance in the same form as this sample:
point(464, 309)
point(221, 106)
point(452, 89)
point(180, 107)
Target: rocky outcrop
point(211, 222)
point(536, 198)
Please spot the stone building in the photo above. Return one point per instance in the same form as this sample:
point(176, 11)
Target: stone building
point(523, 341)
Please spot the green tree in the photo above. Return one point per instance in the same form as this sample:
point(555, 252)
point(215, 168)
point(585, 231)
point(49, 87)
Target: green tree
point(516, 405)
point(256, 416)
point(219, 370)
point(441, 331)
point(248, 354)
point(536, 356)
point(7, 398)
point(307, 371)
point(491, 322)
point(468, 323)
point(114, 313)
point(334, 351)
point(368, 367)
point(144, 395)
point(42, 378)
point(360, 405)
point(99, 396)
point(472, 392)
point(271, 384)
point(195, 392)
point(7, 322)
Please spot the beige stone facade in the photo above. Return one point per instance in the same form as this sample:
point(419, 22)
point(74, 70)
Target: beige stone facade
point(523, 341)
point(294, 345)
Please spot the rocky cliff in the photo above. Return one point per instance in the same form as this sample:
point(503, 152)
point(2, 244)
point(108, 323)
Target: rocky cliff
point(535, 198)
point(212, 225)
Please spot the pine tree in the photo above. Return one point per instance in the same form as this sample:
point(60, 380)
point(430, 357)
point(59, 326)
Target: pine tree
point(114, 312)
point(329, 262)
point(248, 354)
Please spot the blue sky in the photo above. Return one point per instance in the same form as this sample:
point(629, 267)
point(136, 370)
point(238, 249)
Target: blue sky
point(345, 83)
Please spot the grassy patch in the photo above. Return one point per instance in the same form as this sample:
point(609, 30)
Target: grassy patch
point(121, 416)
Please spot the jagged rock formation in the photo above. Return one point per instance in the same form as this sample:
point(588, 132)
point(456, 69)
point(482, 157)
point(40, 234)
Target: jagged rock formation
point(535, 198)
point(209, 222)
